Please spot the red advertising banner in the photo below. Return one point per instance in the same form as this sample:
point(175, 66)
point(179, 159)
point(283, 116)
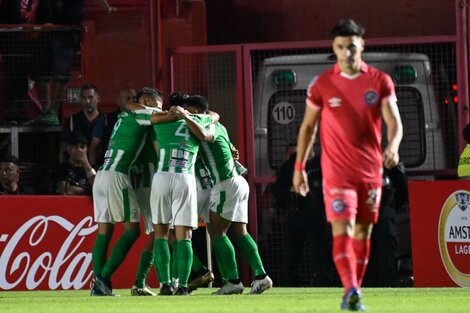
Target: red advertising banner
point(440, 233)
point(46, 244)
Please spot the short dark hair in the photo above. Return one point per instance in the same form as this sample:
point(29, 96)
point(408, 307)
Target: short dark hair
point(8, 158)
point(88, 86)
point(76, 138)
point(466, 133)
point(150, 92)
point(346, 28)
point(198, 102)
point(178, 98)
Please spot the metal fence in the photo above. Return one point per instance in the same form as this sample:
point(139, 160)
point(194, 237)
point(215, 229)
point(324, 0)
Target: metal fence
point(248, 103)
point(33, 56)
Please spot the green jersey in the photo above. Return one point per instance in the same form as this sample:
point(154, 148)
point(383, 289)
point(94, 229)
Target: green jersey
point(217, 155)
point(146, 163)
point(203, 176)
point(177, 146)
point(127, 139)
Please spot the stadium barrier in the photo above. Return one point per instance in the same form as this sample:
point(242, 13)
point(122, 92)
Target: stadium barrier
point(440, 233)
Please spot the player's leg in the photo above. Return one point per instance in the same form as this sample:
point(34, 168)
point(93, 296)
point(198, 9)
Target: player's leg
point(105, 230)
point(369, 196)
point(100, 249)
point(161, 249)
point(123, 208)
point(184, 213)
point(184, 259)
point(121, 248)
point(202, 275)
point(174, 259)
point(341, 201)
point(161, 202)
point(145, 263)
point(225, 253)
point(100, 252)
point(140, 287)
point(248, 246)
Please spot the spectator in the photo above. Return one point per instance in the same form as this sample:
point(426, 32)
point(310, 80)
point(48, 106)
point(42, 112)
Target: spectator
point(76, 175)
point(17, 52)
point(100, 139)
point(10, 178)
point(87, 122)
point(54, 58)
point(463, 169)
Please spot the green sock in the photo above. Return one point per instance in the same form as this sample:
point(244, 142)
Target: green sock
point(162, 260)
point(185, 260)
point(99, 253)
point(250, 250)
point(146, 261)
point(174, 259)
point(220, 265)
point(120, 251)
point(197, 264)
point(226, 252)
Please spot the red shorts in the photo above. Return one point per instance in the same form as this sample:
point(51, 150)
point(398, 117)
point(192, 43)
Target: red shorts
point(352, 201)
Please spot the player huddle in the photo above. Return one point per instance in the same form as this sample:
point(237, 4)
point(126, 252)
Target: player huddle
point(172, 167)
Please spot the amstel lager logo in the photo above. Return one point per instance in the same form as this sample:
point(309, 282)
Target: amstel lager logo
point(454, 237)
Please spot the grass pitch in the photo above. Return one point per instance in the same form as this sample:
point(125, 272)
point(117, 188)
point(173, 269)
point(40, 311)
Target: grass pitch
point(280, 300)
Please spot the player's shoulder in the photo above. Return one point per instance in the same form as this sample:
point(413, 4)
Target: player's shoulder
point(321, 78)
point(375, 72)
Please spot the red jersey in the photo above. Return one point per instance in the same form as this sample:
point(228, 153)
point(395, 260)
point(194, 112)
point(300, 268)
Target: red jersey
point(351, 122)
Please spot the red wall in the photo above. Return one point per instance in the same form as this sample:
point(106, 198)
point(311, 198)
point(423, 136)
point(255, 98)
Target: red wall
point(240, 21)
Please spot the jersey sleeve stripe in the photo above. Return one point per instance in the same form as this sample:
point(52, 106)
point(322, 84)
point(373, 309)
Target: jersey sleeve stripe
point(390, 98)
point(311, 104)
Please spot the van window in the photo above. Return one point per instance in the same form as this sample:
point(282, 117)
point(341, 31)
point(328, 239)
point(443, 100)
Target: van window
point(286, 110)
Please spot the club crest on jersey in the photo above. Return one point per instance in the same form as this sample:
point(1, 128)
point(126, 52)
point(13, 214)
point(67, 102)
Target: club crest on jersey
point(371, 97)
point(334, 102)
point(338, 205)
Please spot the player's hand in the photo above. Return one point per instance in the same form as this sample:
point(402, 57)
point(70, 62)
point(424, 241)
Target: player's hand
point(235, 153)
point(179, 111)
point(390, 158)
point(300, 183)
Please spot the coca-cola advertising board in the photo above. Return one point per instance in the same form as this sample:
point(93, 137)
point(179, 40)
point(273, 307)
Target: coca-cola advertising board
point(46, 244)
point(440, 233)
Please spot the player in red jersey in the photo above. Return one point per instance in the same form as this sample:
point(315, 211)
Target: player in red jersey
point(351, 98)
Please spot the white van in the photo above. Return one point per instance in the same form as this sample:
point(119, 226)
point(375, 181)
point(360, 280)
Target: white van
point(280, 103)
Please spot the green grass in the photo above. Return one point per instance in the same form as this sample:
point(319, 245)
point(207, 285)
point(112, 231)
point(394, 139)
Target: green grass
point(381, 300)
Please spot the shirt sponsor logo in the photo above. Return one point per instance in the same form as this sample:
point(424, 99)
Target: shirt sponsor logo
point(371, 97)
point(334, 102)
point(454, 237)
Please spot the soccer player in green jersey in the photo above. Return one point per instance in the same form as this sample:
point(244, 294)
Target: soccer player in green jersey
point(229, 208)
point(113, 196)
point(141, 174)
point(173, 195)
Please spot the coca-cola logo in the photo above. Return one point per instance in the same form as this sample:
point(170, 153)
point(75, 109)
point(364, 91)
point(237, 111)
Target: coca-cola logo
point(47, 250)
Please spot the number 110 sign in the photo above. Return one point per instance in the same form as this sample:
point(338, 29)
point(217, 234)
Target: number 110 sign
point(283, 113)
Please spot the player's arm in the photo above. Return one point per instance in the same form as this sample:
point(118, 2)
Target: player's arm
point(200, 132)
point(306, 136)
point(392, 119)
point(215, 117)
point(162, 117)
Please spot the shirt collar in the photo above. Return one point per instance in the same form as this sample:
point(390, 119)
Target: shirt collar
point(364, 68)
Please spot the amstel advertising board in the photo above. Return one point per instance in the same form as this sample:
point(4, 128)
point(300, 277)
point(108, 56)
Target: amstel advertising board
point(46, 243)
point(440, 233)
